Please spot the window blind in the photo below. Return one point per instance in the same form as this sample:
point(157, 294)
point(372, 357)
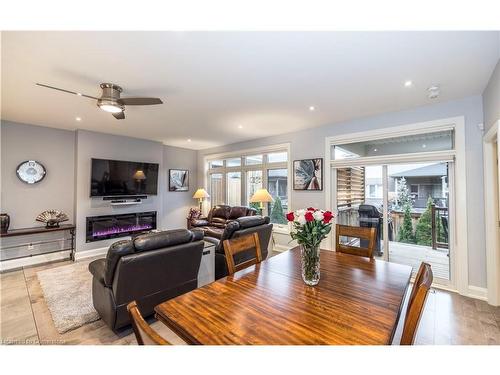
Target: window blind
point(350, 186)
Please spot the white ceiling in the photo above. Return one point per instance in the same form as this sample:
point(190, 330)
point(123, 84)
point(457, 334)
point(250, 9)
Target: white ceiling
point(214, 82)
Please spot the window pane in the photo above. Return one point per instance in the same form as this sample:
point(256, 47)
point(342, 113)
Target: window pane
point(216, 189)
point(437, 141)
point(254, 182)
point(216, 164)
point(277, 157)
point(277, 185)
point(253, 159)
point(233, 162)
point(233, 189)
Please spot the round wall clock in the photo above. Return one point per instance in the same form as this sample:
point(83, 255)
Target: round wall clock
point(30, 171)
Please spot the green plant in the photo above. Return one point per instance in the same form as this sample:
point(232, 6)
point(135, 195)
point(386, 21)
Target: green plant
point(405, 233)
point(423, 230)
point(277, 214)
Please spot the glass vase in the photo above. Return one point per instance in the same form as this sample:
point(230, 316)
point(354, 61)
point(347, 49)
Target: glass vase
point(310, 264)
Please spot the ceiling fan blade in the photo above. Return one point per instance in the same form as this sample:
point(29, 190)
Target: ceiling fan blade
point(63, 90)
point(119, 115)
point(139, 101)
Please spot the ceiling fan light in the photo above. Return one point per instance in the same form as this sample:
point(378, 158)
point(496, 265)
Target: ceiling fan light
point(111, 108)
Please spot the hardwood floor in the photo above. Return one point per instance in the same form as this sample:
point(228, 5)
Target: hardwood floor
point(25, 318)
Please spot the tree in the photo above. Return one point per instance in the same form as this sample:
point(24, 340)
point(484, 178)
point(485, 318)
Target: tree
point(405, 233)
point(277, 214)
point(404, 196)
point(423, 230)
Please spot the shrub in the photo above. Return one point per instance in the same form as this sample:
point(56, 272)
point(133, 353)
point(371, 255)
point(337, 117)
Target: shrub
point(405, 233)
point(277, 213)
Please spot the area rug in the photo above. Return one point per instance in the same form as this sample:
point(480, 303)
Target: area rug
point(68, 293)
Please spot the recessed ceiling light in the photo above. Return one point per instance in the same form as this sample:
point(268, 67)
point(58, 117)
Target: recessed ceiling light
point(240, 126)
point(424, 145)
point(78, 118)
point(79, 94)
point(408, 83)
point(375, 150)
point(312, 108)
point(189, 139)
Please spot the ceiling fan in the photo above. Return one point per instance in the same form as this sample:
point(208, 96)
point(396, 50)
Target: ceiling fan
point(110, 100)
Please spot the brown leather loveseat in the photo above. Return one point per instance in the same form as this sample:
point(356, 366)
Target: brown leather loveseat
point(149, 269)
point(218, 217)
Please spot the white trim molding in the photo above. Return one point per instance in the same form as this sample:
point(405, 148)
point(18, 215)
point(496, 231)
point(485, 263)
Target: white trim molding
point(491, 212)
point(35, 260)
point(458, 231)
point(91, 253)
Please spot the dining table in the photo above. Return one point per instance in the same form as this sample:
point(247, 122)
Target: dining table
point(358, 301)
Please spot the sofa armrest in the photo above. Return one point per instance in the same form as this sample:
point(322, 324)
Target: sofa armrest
point(199, 222)
point(98, 269)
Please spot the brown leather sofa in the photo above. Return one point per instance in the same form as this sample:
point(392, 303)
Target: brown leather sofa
point(149, 269)
point(237, 228)
point(219, 216)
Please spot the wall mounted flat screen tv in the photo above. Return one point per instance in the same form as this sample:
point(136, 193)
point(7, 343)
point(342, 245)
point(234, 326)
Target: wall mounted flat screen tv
point(117, 177)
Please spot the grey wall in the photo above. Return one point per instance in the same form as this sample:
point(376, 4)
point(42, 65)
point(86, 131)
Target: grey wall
point(106, 146)
point(310, 143)
point(66, 155)
point(491, 99)
point(176, 204)
point(55, 149)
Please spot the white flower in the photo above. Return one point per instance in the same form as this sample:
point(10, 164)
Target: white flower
point(301, 219)
point(318, 215)
point(300, 212)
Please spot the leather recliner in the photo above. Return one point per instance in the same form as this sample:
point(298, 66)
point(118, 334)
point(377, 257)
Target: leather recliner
point(149, 269)
point(237, 228)
point(219, 216)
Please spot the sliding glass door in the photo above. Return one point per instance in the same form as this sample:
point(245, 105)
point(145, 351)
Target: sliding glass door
point(408, 204)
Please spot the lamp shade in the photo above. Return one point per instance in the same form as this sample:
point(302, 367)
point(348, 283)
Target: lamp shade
point(139, 175)
point(261, 195)
point(200, 194)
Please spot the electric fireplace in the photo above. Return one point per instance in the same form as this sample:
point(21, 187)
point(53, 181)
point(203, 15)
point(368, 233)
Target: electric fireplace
point(113, 226)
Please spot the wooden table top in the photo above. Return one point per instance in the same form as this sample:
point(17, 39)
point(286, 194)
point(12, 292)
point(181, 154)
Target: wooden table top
point(357, 301)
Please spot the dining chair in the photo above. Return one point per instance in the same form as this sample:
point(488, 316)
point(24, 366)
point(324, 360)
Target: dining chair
point(416, 303)
point(144, 334)
point(363, 233)
point(238, 245)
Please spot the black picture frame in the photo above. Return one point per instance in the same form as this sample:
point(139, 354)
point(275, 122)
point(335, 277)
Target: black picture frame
point(308, 174)
point(178, 180)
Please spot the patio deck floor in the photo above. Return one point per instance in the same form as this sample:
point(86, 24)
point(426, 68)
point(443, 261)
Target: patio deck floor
point(412, 255)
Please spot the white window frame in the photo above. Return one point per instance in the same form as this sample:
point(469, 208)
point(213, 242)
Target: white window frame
point(264, 167)
point(458, 234)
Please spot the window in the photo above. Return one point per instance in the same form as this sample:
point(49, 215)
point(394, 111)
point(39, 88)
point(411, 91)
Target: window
point(436, 141)
point(233, 182)
point(216, 189)
point(254, 183)
point(277, 185)
point(233, 162)
point(414, 189)
point(216, 164)
point(277, 157)
point(372, 190)
point(232, 179)
point(253, 160)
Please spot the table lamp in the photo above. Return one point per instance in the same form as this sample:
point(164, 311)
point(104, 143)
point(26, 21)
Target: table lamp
point(261, 196)
point(201, 194)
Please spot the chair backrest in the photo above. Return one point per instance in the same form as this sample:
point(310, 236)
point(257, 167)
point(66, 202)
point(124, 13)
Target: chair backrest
point(237, 245)
point(416, 303)
point(363, 233)
point(144, 334)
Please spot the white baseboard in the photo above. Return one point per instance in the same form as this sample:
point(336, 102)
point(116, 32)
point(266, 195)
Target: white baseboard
point(91, 253)
point(8, 265)
point(477, 292)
